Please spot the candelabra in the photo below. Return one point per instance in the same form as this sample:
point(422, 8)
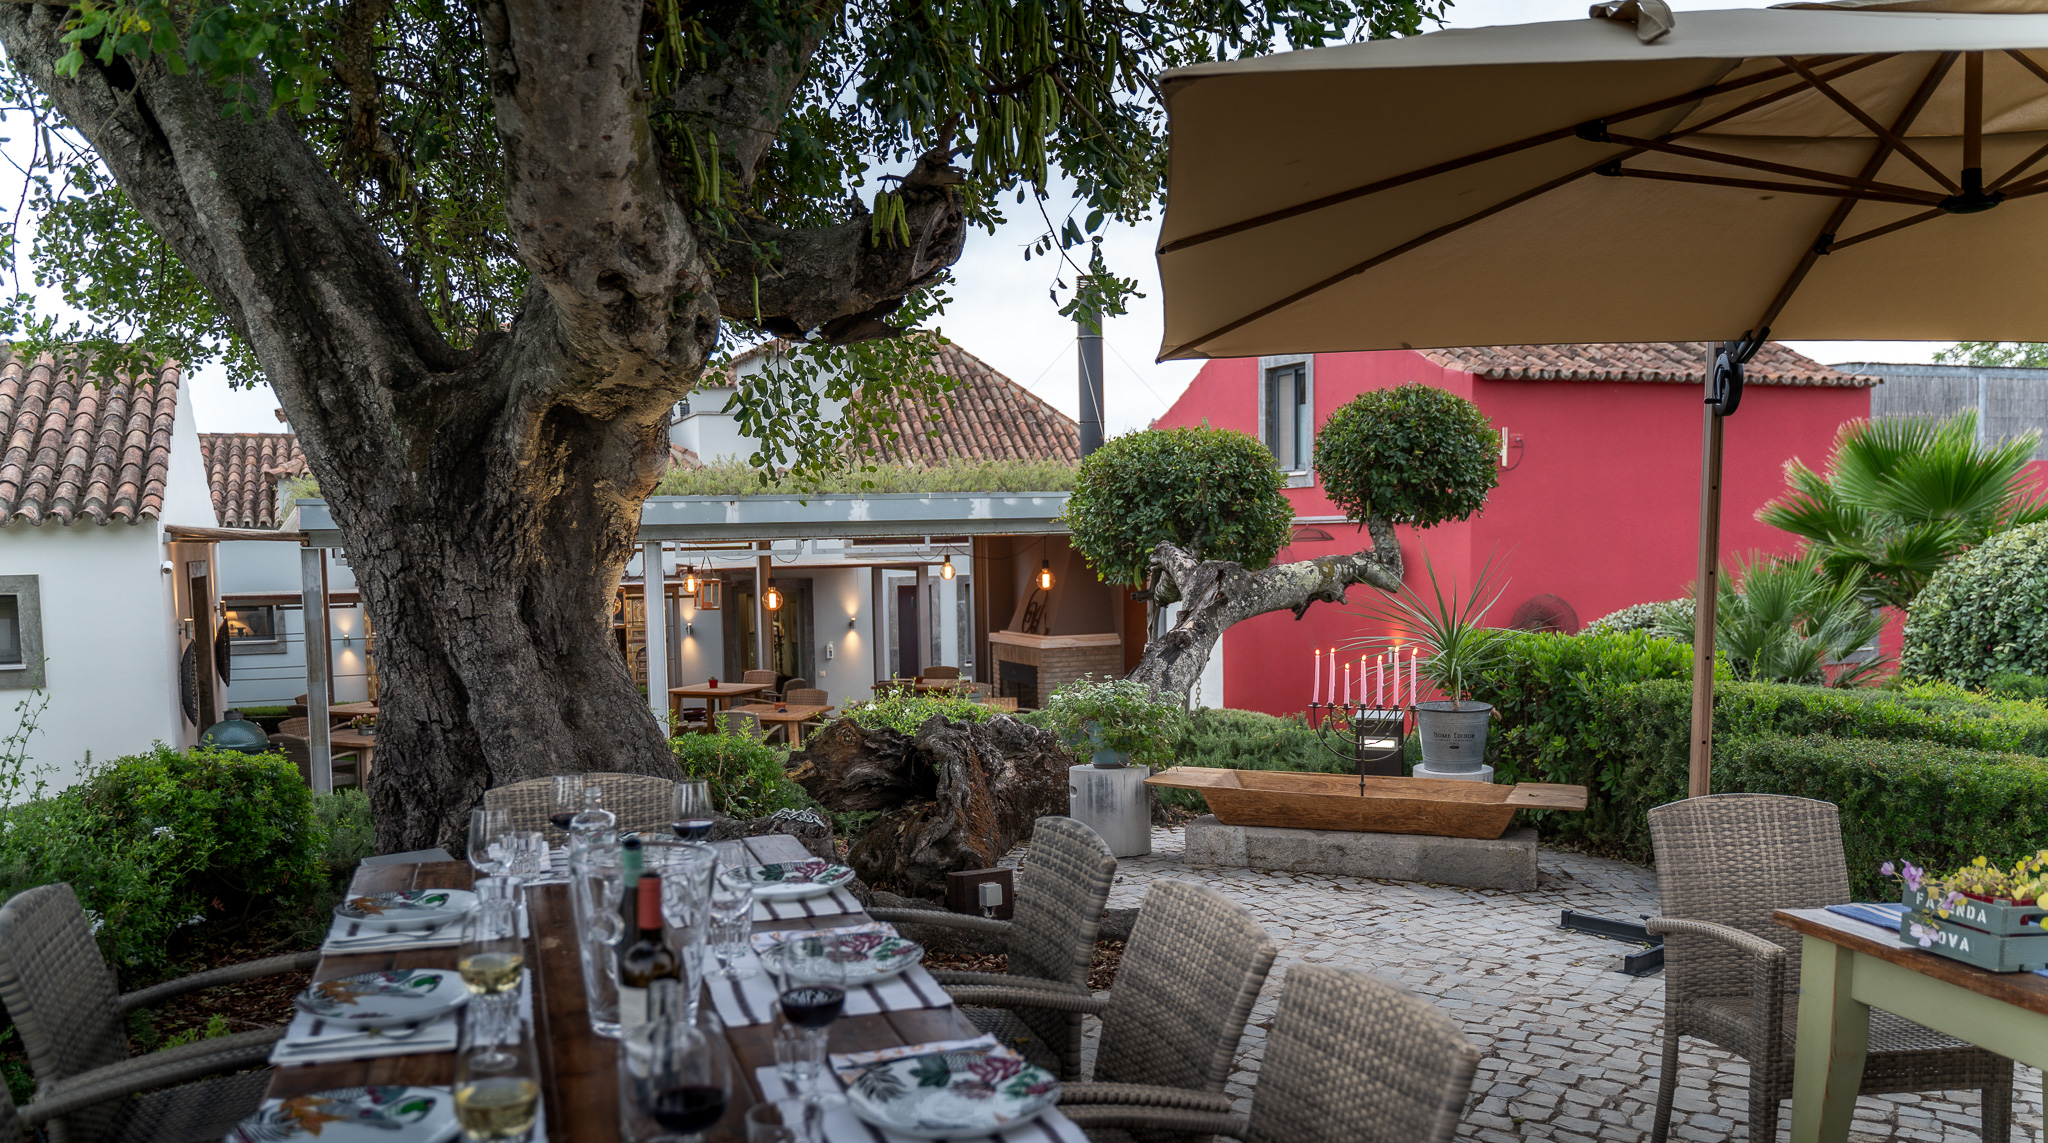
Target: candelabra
point(1368, 737)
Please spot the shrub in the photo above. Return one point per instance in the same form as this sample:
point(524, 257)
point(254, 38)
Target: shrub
point(904, 713)
point(1128, 717)
point(1213, 492)
point(1413, 454)
point(155, 841)
point(344, 818)
point(745, 774)
point(738, 478)
point(2017, 685)
point(1985, 612)
point(1245, 740)
point(1650, 617)
point(1934, 805)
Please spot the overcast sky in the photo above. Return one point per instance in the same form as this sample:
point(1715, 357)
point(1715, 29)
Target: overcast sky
point(1001, 312)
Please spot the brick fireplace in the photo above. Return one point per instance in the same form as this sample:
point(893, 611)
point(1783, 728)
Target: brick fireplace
point(1031, 667)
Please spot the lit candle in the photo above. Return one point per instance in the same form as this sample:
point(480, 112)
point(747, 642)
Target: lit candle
point(1315, 679)
point(1347, 676)
point(1379, 681)
point(1414, 696)
point(1332, 688)
point(1361, 680)
point(1397, 674)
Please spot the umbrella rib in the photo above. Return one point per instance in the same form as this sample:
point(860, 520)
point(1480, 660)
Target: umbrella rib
point(1892, 139)
point(1766, 184)
point(1392, 181)
point(1889, 228)
point(2020, 167)
point(1855, 65)
point(1863, 187)
point(1388, 255)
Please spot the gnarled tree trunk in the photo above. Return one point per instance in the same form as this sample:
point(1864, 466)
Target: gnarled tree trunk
point(1217, 593)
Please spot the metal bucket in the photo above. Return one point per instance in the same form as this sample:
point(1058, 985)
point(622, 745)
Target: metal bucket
point(1453, 738)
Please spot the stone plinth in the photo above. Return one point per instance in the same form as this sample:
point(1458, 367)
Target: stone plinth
point(1507, 863)
point(1113, 803)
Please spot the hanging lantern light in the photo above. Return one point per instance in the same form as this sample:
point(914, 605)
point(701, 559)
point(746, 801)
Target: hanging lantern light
point(946, 569)
point(772, 598)
point(1045, 575)
point(690, 581)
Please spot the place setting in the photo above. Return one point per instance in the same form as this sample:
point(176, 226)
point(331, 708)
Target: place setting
point(399, 919)
point(876, 969)
point(788, 890)
point(968, 1089)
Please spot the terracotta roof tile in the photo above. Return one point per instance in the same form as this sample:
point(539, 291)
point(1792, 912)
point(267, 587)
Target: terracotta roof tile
point(242, 470)
point(988, 417)
point(1676, 362)
point(83, 448)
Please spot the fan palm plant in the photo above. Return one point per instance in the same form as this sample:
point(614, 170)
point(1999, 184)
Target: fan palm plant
point(1787, 620)
point(1904, 495)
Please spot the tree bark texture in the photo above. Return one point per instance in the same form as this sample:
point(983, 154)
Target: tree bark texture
point(1214, 594)
point(489, 497)
point(954, 796)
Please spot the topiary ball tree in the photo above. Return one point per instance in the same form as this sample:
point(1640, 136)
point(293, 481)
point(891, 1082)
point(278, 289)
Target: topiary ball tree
point(1413, 454)
point(1985, 612)
point(1213, 492)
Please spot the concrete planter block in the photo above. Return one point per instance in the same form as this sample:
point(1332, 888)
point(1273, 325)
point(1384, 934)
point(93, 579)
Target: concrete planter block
point(1507, 863)
point(1113, 803)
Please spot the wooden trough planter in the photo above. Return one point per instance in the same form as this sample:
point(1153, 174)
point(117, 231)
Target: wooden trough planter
point(1434, 807)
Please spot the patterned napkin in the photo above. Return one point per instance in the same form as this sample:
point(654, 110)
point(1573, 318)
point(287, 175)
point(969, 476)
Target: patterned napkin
point(852, 1064)
point(841, 1125)
point(752, 1000)
point(763, 941)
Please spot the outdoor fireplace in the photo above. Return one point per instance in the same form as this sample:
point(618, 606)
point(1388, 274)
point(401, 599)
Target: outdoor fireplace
point(1032, 667)
point(1018, 681)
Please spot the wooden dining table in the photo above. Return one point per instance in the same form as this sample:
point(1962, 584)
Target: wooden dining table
point(363, 744)
point(1847, 967)
point(720, 697)
point(352, 710)
point(788, 716)
point(579, 1069)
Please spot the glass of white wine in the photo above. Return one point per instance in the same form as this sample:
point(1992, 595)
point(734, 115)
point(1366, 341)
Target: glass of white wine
point(497, 1091)
point(492, 961)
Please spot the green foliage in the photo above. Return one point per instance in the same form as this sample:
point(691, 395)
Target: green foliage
point(1936, 806)
point(1905, 495)
point(1984, 614)
point(1784, 620)
point(1091, 714)
point(155, 841)
point(1459, 648)
point(905, 713)
point(1668, 614)
point(1413, 454)
point(736, 478)
point(2017, 685)
point(1213, 492)
point(1997, 354)
point(1656, 717)
point(19, 776)
point(745, 774)
point(1245, 740)
point(1550, 694)
point(351, 833)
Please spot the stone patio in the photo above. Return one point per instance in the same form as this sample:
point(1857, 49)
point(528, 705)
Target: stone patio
point(1571, 1047)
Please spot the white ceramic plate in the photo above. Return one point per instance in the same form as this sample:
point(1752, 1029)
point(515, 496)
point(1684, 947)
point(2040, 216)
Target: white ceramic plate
point(407, 908)
point(795, 880)
point(354, 1115)
point(952, 1094)
point(877, 957)
point(383, 999)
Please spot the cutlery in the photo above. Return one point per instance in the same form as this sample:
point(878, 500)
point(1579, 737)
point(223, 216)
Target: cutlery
point(320, 1043)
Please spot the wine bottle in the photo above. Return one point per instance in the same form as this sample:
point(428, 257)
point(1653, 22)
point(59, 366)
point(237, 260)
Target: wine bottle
point(632, 861)
point(648, 960)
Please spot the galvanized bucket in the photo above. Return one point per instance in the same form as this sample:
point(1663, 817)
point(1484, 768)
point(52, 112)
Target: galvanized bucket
point(1453, 738)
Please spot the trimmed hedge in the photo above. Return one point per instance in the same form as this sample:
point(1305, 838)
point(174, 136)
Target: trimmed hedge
point(1245, 740)
point(1934, 805)
point(1984, 613)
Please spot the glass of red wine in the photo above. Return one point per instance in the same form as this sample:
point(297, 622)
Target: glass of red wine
point(811, 970)
point(684, 1087)
point(567, 802)
point(691, 815)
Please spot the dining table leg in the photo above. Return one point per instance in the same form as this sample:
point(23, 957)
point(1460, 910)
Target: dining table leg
point(1834, 1033)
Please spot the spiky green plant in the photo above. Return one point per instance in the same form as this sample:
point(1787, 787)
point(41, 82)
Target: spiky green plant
point(1786, 620)
point(1447, 625)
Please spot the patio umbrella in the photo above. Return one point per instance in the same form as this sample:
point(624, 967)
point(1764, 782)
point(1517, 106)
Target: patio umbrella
point(1871, 169)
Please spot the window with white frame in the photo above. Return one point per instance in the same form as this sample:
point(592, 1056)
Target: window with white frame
point(254, 630)
point(1287, 406)
point(21, 632)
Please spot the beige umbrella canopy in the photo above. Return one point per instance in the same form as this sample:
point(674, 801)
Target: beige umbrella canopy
point(1865, 169)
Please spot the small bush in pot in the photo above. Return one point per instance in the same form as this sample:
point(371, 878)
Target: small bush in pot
point(1116, 717)
point(1459, 649)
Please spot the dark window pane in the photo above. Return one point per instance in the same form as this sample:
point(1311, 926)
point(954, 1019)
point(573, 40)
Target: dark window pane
point(10, 629)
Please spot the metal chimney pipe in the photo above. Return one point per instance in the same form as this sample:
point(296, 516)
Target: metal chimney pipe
point(1091, 381)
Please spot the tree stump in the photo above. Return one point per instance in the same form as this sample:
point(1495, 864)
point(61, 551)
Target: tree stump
point(956, 795)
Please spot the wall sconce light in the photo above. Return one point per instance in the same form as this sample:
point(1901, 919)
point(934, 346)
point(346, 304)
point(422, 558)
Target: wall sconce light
point(772, 598)
point(1045, 575)
point(851, 623)
point(689, 629)
point(946, 569)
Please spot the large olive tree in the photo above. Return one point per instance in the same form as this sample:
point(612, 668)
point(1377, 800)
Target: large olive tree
point(480, 249)
point(1197, 515)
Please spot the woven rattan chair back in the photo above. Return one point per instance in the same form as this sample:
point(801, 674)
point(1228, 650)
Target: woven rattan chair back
point(806, 696)
point(296, 726)
point(942, 672)
point(739, 723)
point(1184, 989)
point(758, 677)
point(639, 801)
point(10, 1118)
point(1732, 859)
point(1057, 912)
point(1353, 1059)
point(61, 996)
point(344, 769)
point(798, 683)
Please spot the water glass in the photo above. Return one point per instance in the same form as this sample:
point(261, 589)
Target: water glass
point(732, 921)
point(497, 1090)
point(686, 870)
point(799, 1057)
point(596, 886)
point(488, 852)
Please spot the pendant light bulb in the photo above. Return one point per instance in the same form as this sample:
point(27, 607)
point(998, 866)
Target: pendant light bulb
point(772, 598)
point(690, 581)
point(1045, 575)
point(946, 569)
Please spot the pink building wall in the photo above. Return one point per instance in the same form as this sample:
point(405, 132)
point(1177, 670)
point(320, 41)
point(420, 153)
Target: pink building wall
point(1599, 505)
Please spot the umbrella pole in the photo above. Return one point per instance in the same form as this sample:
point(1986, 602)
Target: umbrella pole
point(1705, 592)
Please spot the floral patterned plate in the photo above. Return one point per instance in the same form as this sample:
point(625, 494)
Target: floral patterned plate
point(354, 1115)
point(795, 880)
point(407, 908)
point(381, 999)
point(871, 957)
point(952, 1094)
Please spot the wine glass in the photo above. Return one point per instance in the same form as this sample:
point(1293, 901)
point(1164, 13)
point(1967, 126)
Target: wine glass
point(690, 808)
point(497, 1089)
point(683, 1085)
point(731, 915)
point(492, 960)
point(488, 852)
point(567, 801)
point(811, 969)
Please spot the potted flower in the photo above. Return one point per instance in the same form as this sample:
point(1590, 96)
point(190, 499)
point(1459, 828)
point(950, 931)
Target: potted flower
point(365, 724)
point(1114, 721)
point(1457, 648)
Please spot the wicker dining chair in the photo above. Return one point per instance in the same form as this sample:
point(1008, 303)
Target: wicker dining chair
point(1051, 939)
point(1731, 975)
point(761, 677)
point(63, 1000)
point(640, 802)
point(17, 1122)
point(345, 767)
point(795, 684)
point(740, 724)
point(1184, 989)
point(1350, 1059)
point(933, 674)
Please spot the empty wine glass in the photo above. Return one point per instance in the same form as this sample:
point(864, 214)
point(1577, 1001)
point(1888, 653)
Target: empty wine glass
point(732, 921)
point(690, 808)
point(488, 852)
point(497, 1089)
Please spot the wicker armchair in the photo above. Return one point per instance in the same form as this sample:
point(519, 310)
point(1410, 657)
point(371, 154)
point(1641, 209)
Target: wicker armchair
point(63, 1000)
point(739, 723)
point(806, 696)
point(1350, 1059)
point(761, 677)
point(1051, 936)
point(1731, 975)
point(640, 802)
point(345, 767)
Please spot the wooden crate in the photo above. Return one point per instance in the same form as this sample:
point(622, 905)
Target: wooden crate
point(1993, 936)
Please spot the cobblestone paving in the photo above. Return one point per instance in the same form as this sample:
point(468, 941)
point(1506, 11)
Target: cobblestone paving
point(1571, 1048)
